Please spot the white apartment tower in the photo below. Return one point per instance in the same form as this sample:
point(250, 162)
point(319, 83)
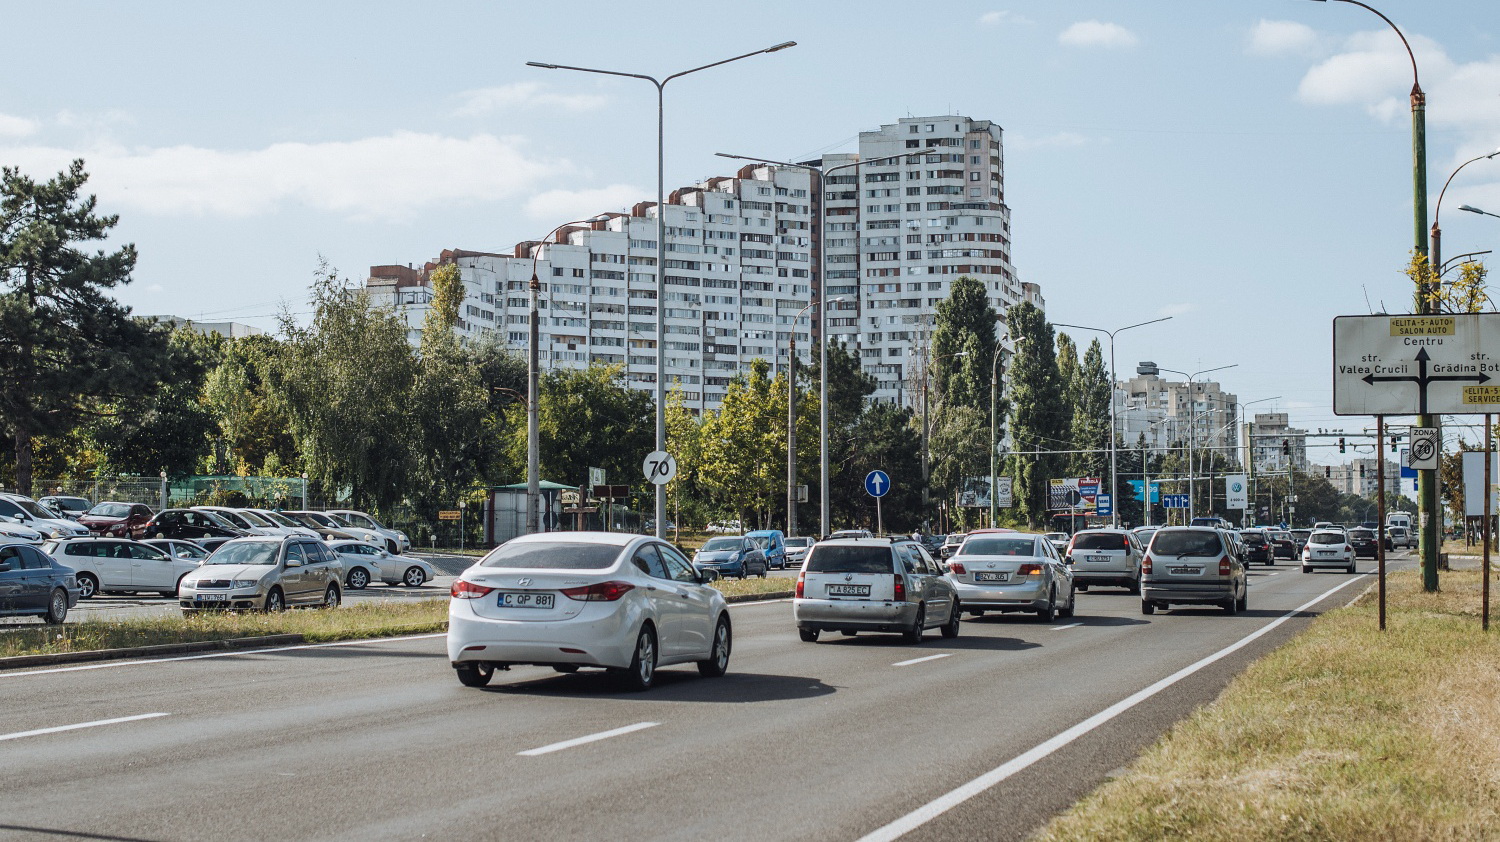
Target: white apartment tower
point(742, 257)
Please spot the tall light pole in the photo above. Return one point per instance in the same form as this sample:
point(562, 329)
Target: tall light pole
point(1114, 481)
point(661, 241)
point(994, 426)
point(823, 522)
point(1430, 514)
point(1437, 212)
point(791, 421)
point(1472, 209)
point(1153, 368)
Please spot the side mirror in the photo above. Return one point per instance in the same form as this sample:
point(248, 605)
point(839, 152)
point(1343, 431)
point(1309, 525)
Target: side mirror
point(292, 562)
point(704, 577)
point(4, 566)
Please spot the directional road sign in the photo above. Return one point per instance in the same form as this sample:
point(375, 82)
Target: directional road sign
point(1406, 365)
point(877, 483)
point(1104, 504)
point(1174, 501)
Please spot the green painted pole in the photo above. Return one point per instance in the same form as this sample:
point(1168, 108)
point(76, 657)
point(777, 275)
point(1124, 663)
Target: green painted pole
point(1429, 511)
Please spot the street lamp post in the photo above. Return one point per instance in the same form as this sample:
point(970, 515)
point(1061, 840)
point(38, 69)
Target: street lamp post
point(1114, 481)
point(994, 426)
point(1153, 368)
point(1472, 209)
point(791, 422)
point(1437, 212)
point(661, 241)
point(823, 325)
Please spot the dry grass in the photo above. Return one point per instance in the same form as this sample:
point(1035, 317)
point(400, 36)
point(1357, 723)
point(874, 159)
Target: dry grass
point(1343, 733)
point(748, 587)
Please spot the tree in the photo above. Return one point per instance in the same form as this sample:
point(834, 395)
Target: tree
point(963, 345)
point(253, 436)
point(1091, 393)
point(66, 345)
point(849, 387)
point(1036, 415)
point(745, 443)
point(960, 448)
point(167, 429)
point(888, 441)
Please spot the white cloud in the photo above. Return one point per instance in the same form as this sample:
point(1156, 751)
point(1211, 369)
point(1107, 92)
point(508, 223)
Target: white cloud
point(1055, 140)
point(523, 95)
point(1179, 309)
point(1280, 37)
point(563, 205)
point(389, 177)
point(1000, 17)
point(16, 126)
point(1093, 33)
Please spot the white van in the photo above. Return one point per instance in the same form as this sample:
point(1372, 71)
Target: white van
point(1401, 519)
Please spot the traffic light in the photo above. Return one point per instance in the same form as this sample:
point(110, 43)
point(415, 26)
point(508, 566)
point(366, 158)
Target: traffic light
point(1361, 471)
point(1341, 444)
point(1394, 440)
point(1286, 447)
point(1327, 472)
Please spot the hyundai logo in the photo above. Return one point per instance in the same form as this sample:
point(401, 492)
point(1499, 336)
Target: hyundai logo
point(523, 581)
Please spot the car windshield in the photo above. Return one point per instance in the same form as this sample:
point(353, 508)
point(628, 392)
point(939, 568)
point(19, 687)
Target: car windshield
point(845, 559)
point(250, 552)
point(799, 542)
point(1362, 534)
point(317, 519)
point(1056, 536)
point(998, 546)
point(279, 519)
point(1326, 538)
point(1099, 541)
point(254, 519)
point(1185, 543)
point(361, 520)
point(722, 545)
point(229, 518)
point(111, 510)
point(72, 502)
point(555, 555)
point(761, 542)
point(31, 507)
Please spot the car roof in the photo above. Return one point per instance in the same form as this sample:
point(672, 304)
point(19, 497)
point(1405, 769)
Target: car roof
point(1105, 530)
point(618, 539)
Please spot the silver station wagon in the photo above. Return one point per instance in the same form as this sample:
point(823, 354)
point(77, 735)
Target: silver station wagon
point(850, 585)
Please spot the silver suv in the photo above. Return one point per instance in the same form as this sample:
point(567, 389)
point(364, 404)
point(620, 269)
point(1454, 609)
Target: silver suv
point(1106, 557)
point(1193, 565)
point(850, 585)
point(266, 573)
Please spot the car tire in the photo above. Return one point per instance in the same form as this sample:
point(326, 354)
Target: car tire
point(642, 670)
point(808, 635)
point(1351, 568)
point(275, 601)
point(978, 613)
point(177, 591)
point(1135, 585)
point(718, 657)
point(1231, 605)
point(88, 586)
point(414, 577)
point(1147, 607)
point(331, 597)
point(57, 608)
point(1049, 613)
point(474, 675)
point(1082, 588)
point(1243, 603)
point(358, 579)
point(1305, 570)
point(918, 626)
point(1067, 610)
point(950, 628)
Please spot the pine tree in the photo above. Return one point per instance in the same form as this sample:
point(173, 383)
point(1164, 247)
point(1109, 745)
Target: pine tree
point(1036, 415)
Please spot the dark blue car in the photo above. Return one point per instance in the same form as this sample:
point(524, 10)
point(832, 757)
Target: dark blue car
point(33, 584)
point(731, 556)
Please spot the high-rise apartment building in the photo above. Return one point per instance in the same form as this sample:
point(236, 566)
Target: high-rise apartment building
point(742, 265)
point(1199, 414)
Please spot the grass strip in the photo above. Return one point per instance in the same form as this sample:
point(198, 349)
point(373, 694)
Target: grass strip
point(1345, 732)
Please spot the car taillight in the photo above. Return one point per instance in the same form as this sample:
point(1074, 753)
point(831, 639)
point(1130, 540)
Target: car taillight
point(1224, 566)
point(1071, 541)
point(468, 590)
point(801, 578)
point(1348, 549)
point(1146, 564)
point(956, 566)
point(598, 592)
point(900, 587)
point(1125, 542)
point(1028, 569)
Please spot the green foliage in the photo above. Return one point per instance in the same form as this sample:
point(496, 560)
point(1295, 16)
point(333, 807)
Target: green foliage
point(447, 298)
point(888, 441)
point(1091, 393)
point(744, 442)
point(254, 434)
point(963, 345)
point(587, 418)
point(1037, 418)
point(167, 429)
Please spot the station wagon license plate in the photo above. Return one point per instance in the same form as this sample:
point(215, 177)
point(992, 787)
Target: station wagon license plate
point(848, 590)
point(211, 597)
point(1096, 558)
point(992, 577)
point(1190, 571)
point(511, 599)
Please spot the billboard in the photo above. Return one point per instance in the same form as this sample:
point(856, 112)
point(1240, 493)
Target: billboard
point(1078, 494)
point(975, 493)
point(1237, 492)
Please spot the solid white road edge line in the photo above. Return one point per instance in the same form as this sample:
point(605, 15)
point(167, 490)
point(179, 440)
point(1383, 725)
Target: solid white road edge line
point(231, 654)
point(591, 738)
point(920, 660)
point(758, 602)
point(931, 810)
point(1068, 626)
point(19, 734)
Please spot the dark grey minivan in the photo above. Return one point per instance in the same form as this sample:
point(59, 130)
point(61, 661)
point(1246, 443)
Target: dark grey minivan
point(1192, 565)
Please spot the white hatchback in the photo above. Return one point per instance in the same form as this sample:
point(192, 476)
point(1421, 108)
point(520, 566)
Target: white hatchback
point(1328, 548)
point(627, 603)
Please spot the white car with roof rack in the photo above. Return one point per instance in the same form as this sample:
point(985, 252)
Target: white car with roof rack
point(853, 585)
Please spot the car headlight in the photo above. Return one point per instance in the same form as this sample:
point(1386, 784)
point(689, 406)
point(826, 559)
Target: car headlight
point(246, 583)
point(402, 536)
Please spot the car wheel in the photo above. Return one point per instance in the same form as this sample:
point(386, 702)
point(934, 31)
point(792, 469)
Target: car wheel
point(1083, 588)
point(718, 657)
point(57, 608)
point(1305, 570)
point(88, 586)
point(1067, 610)
point(1049, 613)
point(979, 613)
point(1147, 607)
point(1135, 584)
point(173, 594)
point(275, 602)
point(1351, 567)
point(808, 635)
point(1231, 605)
point(950, 628)
point(642, 670)
point(474, 675)
point(914, 634)
point(1243, 603)
point(358, 579)
point(331, 597)
point(414, 577)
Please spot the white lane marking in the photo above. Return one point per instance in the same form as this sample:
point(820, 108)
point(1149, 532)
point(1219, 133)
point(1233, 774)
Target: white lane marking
point(920, 660)
point(591, 738)
point(932, 809)
point(230, 654)
point(1068, 626)
point(760, 602)
point(95, 724)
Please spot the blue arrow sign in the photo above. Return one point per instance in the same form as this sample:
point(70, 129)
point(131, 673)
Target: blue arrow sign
point(1104, 504)
point(1174, 501)
point(877, 483)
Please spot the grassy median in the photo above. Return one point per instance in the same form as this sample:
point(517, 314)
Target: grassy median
point(1343, 733)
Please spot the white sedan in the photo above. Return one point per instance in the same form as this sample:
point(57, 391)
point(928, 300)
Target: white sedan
point(364, 563)
point(627, 603)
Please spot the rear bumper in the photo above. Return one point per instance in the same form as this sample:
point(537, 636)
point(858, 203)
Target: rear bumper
point(1339, 563)
point(1029, 596)
point(604, 642)
point(1185, 594)
point(853, 615)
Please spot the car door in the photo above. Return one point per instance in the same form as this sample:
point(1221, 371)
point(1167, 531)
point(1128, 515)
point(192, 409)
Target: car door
point(323, 568)
point(36, 588)
point(150, 568)
point(12, 578)
point(696, 602)
point(665, 599)
point(112, 560)
point(294, 574)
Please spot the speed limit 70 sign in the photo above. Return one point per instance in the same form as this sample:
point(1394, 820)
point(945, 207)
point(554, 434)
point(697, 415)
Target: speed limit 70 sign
point(659, 467)
point(1423, 453)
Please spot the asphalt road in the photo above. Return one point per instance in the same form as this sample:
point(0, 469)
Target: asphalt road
point(835, 740)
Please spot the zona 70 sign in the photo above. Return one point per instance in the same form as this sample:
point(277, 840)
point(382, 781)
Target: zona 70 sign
point(1410, 365)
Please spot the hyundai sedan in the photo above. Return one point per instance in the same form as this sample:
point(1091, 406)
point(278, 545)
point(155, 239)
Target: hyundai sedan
point(626, 603)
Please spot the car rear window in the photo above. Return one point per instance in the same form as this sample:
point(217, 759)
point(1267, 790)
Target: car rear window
point(1253, 537)
point(998, 546)
point(1326, 538)
point(1098, 541)
point(1185, 543)
point(555, 555)
point(834, 559)
point(1362, 534)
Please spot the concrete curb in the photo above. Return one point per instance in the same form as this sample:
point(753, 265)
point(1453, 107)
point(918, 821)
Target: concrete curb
point(757, 597)
point(19, 661)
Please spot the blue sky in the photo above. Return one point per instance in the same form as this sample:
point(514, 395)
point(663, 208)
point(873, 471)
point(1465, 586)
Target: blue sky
point(1242, 166)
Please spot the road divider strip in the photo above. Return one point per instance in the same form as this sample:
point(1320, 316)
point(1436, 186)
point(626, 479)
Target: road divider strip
point(938, 806)
point(591, 738)
point(920, 660)
point(231, 654)
point(95, 724)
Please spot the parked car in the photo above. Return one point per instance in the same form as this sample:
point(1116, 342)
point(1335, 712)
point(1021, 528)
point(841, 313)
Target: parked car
point(731, 555)
point(1283, 545)
point(265, 573)
point(853, 585)
point(34, 584)
point(14, 533)
point(1059, 541)
point(66, 505)
point(772, 544)
point(396, 541)
point(117, 520)
point(1012, 571)
point(178, 548)
point(246, 523)
point(951, 544)
point(724, 526)
point(119, 565)
point(331, 528)
point(1400, 536)
point(1258, 547)
point(796, 551)
point(1193, 565)
point(380, 565)
point(192, 525)
point(18, 508)
point(1328, 548)
point(627, 603)
point(281, 523)
point(1105, 557)
point(1363, 541)
point(852, 533)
